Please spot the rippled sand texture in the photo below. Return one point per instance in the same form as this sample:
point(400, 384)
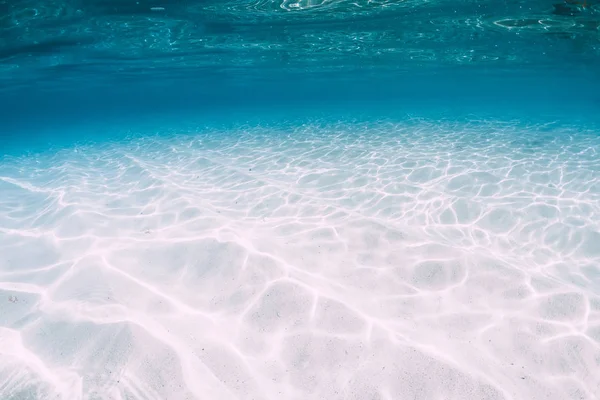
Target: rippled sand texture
point(417, 260)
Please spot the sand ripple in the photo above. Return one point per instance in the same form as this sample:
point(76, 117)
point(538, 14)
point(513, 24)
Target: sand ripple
point(415, 260)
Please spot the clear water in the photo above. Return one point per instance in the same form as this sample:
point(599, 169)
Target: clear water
point(322, 199)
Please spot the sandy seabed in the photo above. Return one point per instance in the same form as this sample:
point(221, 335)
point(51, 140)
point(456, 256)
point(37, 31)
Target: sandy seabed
point(422, 260)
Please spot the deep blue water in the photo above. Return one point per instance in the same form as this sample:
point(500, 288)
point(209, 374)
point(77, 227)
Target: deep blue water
point(72, 62)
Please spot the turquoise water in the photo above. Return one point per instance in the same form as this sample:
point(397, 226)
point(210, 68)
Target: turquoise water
point(315, 199)
point(66, 61)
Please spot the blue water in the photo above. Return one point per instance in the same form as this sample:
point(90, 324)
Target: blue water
point(313, 199)
point(87, 61)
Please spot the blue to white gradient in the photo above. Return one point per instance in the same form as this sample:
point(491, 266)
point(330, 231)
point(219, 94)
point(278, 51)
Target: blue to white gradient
point(299, 200)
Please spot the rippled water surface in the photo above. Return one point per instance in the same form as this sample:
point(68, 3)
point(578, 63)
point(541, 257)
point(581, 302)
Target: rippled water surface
point(51, 42)
point(314, 199)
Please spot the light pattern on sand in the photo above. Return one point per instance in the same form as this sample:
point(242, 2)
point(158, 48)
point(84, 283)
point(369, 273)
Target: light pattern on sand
point(415, 260)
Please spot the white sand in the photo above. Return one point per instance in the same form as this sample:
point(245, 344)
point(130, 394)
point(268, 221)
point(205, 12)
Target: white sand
point(422, 260)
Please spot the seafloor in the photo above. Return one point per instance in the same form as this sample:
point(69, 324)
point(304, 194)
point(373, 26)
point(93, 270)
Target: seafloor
point(389, 259)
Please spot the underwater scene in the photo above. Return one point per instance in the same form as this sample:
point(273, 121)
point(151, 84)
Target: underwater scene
point(300, 199)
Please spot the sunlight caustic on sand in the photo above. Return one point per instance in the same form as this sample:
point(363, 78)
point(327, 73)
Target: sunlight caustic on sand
point(416, 260)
